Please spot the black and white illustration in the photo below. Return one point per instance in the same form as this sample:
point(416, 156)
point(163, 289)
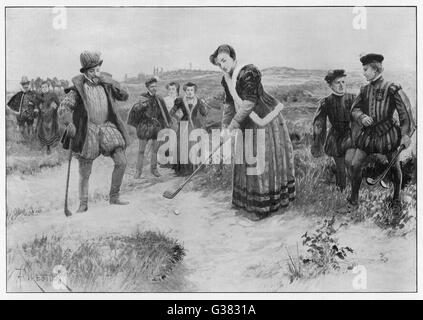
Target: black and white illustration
point(211, 149)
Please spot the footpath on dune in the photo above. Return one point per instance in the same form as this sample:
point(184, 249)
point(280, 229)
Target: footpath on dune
point(225, 252)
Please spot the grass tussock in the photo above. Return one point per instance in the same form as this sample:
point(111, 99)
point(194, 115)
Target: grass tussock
point(142, 262)
point(13, 214)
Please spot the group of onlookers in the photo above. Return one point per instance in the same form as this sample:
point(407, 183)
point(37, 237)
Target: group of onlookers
point(28, 105)
point(361, 125)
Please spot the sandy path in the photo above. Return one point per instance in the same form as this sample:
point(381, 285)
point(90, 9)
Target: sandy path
point(225, 252)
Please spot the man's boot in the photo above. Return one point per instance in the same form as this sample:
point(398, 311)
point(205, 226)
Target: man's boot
point(155, 172)
point(83, 206)
point(115, 200)
point(140, 164)
point(396, 206)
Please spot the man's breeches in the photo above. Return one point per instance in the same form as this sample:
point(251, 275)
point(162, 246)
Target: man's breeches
point(154, 148)
point(85, 166)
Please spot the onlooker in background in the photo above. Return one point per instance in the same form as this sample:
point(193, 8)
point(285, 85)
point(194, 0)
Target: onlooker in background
point(193, 109)
point(149, 115)
point(337, 108)
point(172, 94)
point(23, 105)
point(47, 124)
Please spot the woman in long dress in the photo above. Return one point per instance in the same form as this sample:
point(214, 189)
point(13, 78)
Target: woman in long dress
point(48, 125)
point(193, 110)
point(172, 94)
point(248, 106)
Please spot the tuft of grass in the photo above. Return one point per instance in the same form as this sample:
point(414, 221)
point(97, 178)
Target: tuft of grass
point(143, 261)
point(15, 213)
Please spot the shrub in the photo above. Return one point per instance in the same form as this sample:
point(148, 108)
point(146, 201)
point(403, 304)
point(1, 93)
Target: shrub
point(323, 253)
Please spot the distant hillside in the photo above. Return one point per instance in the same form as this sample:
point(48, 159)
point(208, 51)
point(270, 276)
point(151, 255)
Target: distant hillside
point(287, 84)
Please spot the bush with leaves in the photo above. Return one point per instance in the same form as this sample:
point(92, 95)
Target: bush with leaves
point(323, 253)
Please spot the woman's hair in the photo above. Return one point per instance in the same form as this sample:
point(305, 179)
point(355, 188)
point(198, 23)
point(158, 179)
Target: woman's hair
point(376, 66)
point(190, 84)
point(45, 82)
point(224, 48)
point(175, 84)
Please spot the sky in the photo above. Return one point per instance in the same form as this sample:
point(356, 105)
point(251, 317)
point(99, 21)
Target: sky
point(134, 40)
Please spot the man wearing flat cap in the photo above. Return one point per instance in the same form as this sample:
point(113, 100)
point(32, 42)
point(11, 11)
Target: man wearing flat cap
point(337, 108)
point(374, 109)
point(24, 106)
point(149, 115)
point(93, 126)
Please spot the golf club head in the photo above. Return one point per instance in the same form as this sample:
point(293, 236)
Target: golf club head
point(169, 194)
point(68, 213)
point(370, 181)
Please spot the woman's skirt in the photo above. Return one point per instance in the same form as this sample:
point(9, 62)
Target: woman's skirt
point(183, 169)
point(48, 128)
point(274, 188)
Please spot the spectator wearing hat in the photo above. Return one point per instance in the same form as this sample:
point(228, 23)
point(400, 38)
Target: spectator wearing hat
point(149, 115)
point(374, 109)
point(24, 106)
point(337, 108)
point(193, 110)
point(93, 125)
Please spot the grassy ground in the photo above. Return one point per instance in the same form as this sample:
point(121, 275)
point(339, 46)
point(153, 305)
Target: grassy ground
point(138, 262)
point(134, 263)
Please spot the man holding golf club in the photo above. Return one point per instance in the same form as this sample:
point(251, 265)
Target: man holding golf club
point(374, 108)
point(93, 126)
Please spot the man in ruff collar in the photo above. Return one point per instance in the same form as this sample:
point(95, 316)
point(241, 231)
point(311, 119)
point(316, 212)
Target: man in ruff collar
point(93, 126)
point(374, 109)
point(337, 108)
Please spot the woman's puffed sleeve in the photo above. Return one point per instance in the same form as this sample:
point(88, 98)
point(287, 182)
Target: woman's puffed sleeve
point(248, 86)
point(249, 83)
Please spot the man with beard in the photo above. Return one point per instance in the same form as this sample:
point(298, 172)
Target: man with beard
point(94, 126)
point(149, 115)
